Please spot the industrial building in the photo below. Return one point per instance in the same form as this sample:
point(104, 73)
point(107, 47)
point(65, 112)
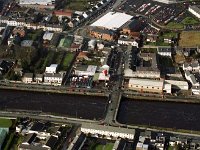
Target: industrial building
point(112, 20)
point(148, 85)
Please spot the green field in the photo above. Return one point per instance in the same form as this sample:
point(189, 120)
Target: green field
point(189, 39)
point(174, 25)
point(79, 5)
point(190, 21)
point(5, 123)
point(67, 60)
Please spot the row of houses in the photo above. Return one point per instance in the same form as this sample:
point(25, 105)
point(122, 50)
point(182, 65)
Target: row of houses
point(31, 25)
point(49, 77)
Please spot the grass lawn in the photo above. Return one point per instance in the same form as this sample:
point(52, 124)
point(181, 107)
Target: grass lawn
point(79, 5)
point(190, 20)
point(67, 60)
point(5, 122)
point(174, 25)
point(169, 34)
point(189, 39)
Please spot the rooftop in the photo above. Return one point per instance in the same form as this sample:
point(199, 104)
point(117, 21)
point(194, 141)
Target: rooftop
point(112, 20)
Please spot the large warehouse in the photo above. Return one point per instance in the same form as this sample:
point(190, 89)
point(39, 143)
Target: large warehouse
point(112, 20)
point(166, 1)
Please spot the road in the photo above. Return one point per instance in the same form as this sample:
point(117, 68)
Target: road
point(115, 95)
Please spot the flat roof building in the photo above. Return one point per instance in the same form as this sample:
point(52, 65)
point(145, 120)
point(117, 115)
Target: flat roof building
point(39, 2)
point(195, 10)
point(112, 20)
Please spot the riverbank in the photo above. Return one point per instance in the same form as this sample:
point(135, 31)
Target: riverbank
point(160, 98)
point(53, 89)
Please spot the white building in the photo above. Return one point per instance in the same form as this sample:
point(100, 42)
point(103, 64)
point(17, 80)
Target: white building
point(166, 1)
point(195, 90)
point(39, 78)
point(108, 131)
point(193, 66)
point(179, 85)
point(195, 10)
point(38, 2)
point(90, 71)
point(48, 36)
point(125, 41)
point(27, 78)
point(51, 69)
point(148, 85)
point(164, 51)
point(190, 77)
point(53, 78)
point(112, 20)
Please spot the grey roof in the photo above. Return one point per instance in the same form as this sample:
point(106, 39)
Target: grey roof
point(108, 128)
point(28, 75)
point(39, 75)
point(32, 147)
point(29, 138)
point(53, 75)
point(193, 79)
point(187, 73)
point(52, 141)
point(37, 126)
point(164, 49)
point(196, 8)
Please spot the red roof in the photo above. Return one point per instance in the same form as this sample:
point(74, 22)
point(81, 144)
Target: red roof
point(63, 13)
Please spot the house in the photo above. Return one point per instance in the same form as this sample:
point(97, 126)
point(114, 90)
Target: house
point(27, 43)
point(39, 78)
point(190, 77)
point(53, 78)
point(164, 51)
point(61, 13)
point(104, 34)
point(119, 144)
point(51, 142)
point(125, 41)
point(48, 36)
point(108, 131)
point(18, 71)
point(19, 30)
point(77, 142)
point(52, 68)
point(27, 78)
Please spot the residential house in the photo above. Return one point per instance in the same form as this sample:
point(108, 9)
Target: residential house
point(27, 78)
point(53, 78)
point(126, 41)
point(39, 78)
point(164, 51)
point(51, 69)
point(104, 34)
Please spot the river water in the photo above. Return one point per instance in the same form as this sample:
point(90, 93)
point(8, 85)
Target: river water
point(162, 114)
point(86, 107)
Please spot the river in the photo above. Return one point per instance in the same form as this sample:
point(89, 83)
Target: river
point(161, 114)
point(80, 106)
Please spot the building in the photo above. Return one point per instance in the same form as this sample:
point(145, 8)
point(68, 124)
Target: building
point(61, 13)
point(126, 41)
point(51, 69)
point(190, 77)
point(48, 36)
point(178, 85)
point(164, 51)
point(166, 1)
point(193, 66)
point(104, 34)
point(53, 78)
point(77, 142)
point(26, 43)
point(38, 4)
point(112, 20)
point(195, 10)
point(119, 144)
point(39, 78)
point(108, 131)
point(146, 85)
point(3, 133)
point(27, 78)
point(85, 70)
point(145, 65)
